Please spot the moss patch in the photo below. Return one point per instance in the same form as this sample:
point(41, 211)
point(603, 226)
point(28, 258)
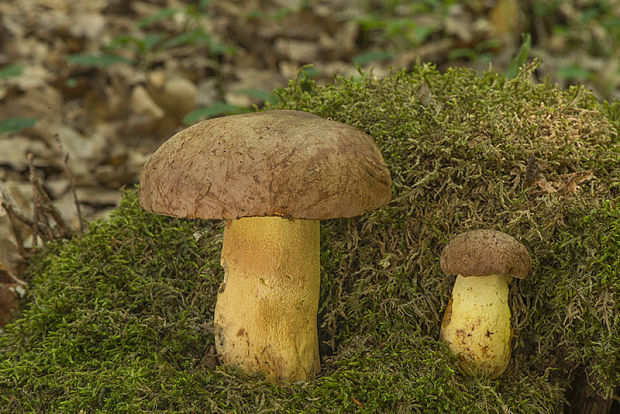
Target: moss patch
point(121, 318)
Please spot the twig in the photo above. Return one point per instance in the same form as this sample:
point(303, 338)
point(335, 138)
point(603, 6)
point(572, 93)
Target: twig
point(532, 169)
point(45, 203)
point(18, 213)
point(18, 237)
point(35, 202)
point(52, 233)
point(71, 184)
point(43, 210)
point(16, 279)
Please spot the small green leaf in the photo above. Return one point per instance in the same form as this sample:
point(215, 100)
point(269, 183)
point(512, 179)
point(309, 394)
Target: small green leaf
point(461, 53)
point(521, 57)
point(573, 71)
point(122, 41)
point(202, 6)
point(220, 48)
point(11, 71)
point(143, 44)
point(191, 38)
point(423, 32)
point(15, 124)
point(218, 108)
point(488, 44)
point(163, 14)
point(102, 61)
point(309, 71)
point(150, 42)
point(262, 94)
point(371, 56)
point(368, 24)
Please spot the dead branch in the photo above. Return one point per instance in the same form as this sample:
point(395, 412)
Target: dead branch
point(18, 237)
point(45, 203)
point(35, 202)
point(71, 185)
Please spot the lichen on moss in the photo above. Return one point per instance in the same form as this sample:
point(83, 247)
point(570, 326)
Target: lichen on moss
point(121, 318)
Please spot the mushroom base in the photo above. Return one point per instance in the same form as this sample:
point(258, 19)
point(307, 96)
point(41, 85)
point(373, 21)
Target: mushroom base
point(266, 310)
point(476, 324)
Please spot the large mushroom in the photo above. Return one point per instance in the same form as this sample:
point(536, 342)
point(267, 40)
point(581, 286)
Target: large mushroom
point(272, 175)
point(476, 323)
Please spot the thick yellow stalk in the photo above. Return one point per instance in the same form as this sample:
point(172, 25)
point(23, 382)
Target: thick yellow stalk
point(476, 324)
point(266, 310)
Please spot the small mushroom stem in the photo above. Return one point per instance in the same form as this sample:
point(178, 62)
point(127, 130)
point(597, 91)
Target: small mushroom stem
point(476, 324)
point(266, 311)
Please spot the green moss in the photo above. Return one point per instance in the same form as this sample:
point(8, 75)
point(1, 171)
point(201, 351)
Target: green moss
point(120, 318)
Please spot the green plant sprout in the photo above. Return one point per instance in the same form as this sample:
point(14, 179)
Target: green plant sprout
point(12, 125)
point(146, 44)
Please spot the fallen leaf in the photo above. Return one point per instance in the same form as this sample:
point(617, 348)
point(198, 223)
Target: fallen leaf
point(504, 17)
point(14, 152)
point(251, 79)
point(574, 179)
point(11, 261)
point(88, 25)
point(302, 51)
point(176, 96)
point(34, 76)
point(9, 293)
point(143, 104)
point(546, 186)
point(567, 183)
point(356, 402)
point(458, 22)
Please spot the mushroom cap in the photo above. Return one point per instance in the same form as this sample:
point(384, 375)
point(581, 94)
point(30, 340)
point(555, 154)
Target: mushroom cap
point(484, 253)
point(275, 163)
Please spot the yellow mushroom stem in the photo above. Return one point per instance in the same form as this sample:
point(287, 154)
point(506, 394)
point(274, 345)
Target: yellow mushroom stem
point(266, 310)
point(476, 324)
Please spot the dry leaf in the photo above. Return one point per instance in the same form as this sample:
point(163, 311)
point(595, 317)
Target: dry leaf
point(14, 152)
point(11, 262)
point(568, 183)
point(574, 179)
point(301, 51)
point(176, 96)
point(9, 294)
point(546, 186)
point(41, 103)
point(34, 76)
point(252, 79)
point(459, 23)
point(143, 104)
point(504, 17)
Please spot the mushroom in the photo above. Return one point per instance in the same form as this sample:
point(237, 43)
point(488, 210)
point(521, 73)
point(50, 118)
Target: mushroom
point(272, 175)
point(476, 324)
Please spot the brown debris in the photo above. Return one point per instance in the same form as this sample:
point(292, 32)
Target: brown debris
point(566, 184)
point(9, 295)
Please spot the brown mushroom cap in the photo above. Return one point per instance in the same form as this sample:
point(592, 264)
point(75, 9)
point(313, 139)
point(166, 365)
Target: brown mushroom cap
point(276, 163)
point(484, 253)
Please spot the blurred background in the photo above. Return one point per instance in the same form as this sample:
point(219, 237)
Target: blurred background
point(107, 81)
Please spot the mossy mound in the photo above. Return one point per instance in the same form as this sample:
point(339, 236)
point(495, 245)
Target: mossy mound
point(121, 318)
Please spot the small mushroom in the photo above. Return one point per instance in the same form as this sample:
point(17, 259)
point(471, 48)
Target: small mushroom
point(272, 175)
point(476, 324)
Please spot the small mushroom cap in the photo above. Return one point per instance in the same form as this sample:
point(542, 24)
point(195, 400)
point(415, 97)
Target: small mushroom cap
point(484, 253)
point(275, 163)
